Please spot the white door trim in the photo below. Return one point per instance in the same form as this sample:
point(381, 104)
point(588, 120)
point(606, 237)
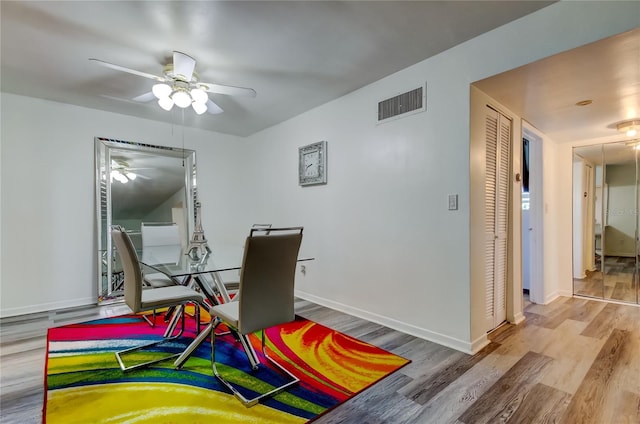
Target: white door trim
point(536, 213)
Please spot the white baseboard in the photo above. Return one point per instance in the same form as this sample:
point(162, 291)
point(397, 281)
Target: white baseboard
point(565, 293)
point(441, 339)
point(478, 344)
point(518, 318)
point(553, 296)
point(550, 298)
point(45, 307)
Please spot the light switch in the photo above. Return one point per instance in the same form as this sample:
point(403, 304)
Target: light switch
point(453, 202)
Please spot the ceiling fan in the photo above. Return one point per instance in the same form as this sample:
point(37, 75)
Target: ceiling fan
point(179, 85)
point(122, 172)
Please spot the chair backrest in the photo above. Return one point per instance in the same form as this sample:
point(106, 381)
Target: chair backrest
point(131, 267)
point(267, 278)
point(159, 234)
point(264, 226)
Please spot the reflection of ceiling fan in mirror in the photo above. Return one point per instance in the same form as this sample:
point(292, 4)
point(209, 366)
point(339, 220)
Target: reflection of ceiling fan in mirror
point(122, 172)
point(180, 86)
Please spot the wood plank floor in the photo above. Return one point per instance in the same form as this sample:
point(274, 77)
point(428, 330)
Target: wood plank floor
point(617, 282)
point(572, 361)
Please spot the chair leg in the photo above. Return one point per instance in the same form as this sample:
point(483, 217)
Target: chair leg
point(152, 323)
point(169, 313)
point(202, 336)
point(177, 315)
point(196, 306)
point(168, 336)
point(254, 401)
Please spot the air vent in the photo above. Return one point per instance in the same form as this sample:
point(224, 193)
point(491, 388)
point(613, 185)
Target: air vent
point(402, 104)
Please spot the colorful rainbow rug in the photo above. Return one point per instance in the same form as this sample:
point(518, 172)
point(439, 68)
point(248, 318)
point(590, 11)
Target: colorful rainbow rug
point(84, 383)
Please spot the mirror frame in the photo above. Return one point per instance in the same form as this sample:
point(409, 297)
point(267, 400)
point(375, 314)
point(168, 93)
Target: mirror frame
point(104, 245)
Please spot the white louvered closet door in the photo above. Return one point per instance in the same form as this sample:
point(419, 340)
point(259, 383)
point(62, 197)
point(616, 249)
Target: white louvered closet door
point(498, 149)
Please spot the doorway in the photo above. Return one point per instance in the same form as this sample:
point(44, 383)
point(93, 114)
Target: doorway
point(532, 214)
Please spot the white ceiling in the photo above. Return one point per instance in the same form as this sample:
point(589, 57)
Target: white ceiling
point(295, 54)
point(545, 92)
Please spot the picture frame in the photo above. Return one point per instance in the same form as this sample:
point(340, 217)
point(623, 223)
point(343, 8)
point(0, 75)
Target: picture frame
point(312, 164)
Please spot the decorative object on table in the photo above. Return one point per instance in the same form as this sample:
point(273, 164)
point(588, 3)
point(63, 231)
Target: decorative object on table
point(312, 164)
point(198, 265)
point(198, 247)
point(81, 371)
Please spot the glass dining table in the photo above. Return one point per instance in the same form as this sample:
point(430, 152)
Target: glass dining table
point(172, 261)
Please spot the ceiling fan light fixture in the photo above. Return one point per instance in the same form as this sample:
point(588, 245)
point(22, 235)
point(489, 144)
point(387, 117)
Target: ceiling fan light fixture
point(181, 98)
point(161, 90)
point(630, 128)
point(199, 95)
point(117, 175)
point(199, 108)
point(166, 103)
point(131, 176)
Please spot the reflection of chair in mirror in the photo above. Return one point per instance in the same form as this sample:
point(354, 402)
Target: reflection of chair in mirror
point(140, 300)
point(117, 275)
point(160, 235)
point(266, 296)
point(155, 235)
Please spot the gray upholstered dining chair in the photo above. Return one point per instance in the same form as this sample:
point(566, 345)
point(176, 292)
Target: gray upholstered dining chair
point(140, 300)
point(266, 295)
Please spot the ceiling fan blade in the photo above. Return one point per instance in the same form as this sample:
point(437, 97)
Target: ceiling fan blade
point(144, 98)
point(120, 99)
point(228, 90)
point(183, 65)
point(213, 108)
point(131, 71)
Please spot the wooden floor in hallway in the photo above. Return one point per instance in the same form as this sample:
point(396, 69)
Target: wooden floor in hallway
point(572, 361)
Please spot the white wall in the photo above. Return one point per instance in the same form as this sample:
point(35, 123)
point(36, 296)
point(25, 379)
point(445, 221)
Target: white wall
point(47, 189)
point(558, 276)
point(381, 222)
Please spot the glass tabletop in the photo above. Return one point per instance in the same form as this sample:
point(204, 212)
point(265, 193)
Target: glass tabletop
point(172, 260)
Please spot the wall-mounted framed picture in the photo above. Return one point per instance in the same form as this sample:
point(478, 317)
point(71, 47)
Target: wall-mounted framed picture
point(312, 164)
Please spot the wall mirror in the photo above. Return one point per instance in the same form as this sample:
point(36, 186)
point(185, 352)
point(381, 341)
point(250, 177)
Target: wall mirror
point(606, 222)
point(139, 183)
